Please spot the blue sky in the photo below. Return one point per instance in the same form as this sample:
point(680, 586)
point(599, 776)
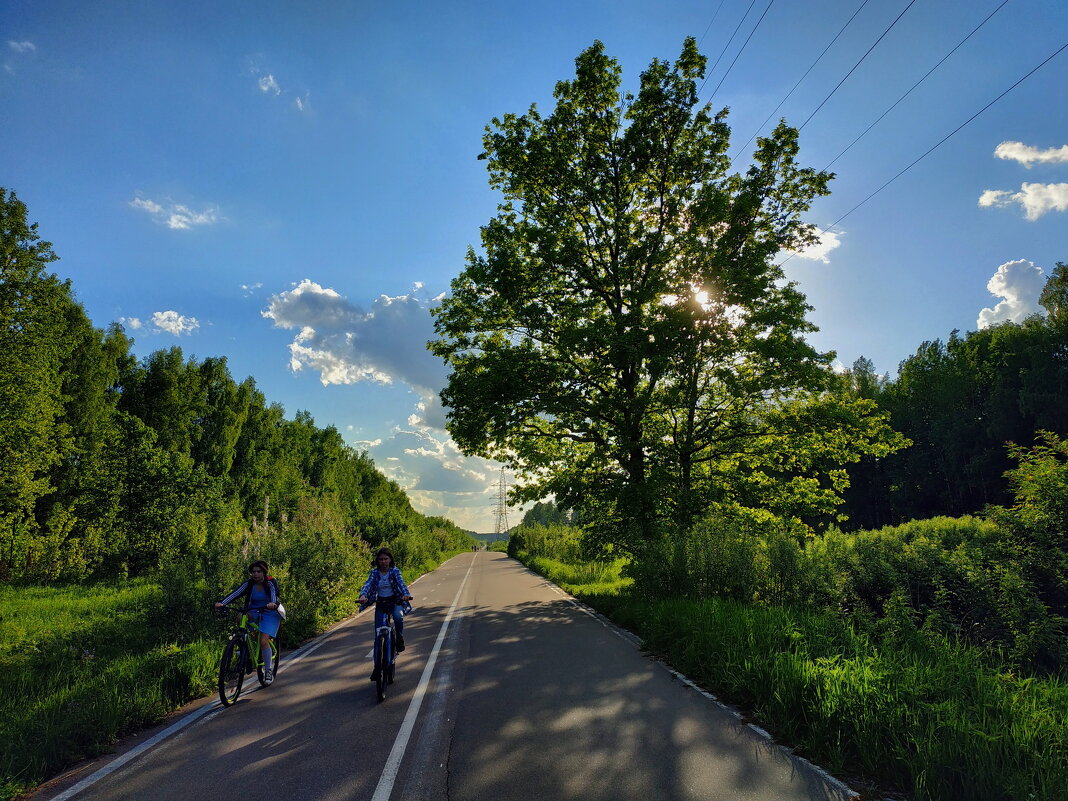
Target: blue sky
point(290, 185)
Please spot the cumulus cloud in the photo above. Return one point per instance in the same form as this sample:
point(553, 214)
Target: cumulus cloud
point(130, 322)
point(174, 323)
point(176, 215)
point(386, 343)
point(22, 47)
point(269, 85)
point(438, 479)
point(1027, 155)
point(1019, 284)
point(828, 241)
point(346, 344)
point(1034, 199)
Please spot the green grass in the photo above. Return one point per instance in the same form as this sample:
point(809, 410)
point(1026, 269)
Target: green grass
point(918, 713)
point(593, 578)
point(80, 667)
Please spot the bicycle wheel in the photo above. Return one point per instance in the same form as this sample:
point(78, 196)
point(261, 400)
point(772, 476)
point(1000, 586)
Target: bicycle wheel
point(231, 671)
point(275, 657)
point(382, 660)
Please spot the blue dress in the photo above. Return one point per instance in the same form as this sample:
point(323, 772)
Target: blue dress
point(267, 619)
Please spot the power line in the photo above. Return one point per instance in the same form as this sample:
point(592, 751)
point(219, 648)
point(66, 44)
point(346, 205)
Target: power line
point(724, 50)
point(740, 50)
point(940, 142)
point(794, 88)
point(716, 14)
point(921, 80)
point(861, 61)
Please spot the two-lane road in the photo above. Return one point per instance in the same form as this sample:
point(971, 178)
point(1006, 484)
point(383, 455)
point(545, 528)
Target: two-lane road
point(508, 691)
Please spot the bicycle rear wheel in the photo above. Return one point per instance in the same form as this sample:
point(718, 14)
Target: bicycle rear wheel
point(275, 658)
point(231, 671)
point(382, 661)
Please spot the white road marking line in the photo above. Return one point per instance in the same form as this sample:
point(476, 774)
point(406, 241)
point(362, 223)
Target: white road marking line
point(392, 766)
point(133, 753)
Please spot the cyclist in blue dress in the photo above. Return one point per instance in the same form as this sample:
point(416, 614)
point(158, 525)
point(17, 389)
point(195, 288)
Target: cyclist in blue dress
point(261, 595)
point(386, 585)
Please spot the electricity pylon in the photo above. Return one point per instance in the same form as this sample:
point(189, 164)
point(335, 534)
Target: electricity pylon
point(501, 525)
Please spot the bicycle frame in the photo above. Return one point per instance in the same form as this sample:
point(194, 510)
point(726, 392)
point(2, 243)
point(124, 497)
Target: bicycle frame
point(385, 648)
point(389, 631)
point(245, 639)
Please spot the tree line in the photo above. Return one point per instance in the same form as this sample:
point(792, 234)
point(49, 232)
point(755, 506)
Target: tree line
point(114, 466)
point(962, 402)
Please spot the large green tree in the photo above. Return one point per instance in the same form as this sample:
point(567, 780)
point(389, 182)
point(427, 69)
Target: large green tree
point(627, 324)
point(30, 397)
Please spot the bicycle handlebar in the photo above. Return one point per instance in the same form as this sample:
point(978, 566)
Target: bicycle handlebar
point(405, 603)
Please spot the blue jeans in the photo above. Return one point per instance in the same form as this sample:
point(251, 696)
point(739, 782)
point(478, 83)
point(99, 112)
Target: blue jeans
point(380, 615)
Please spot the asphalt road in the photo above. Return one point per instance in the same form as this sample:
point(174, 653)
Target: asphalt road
point(508, 691)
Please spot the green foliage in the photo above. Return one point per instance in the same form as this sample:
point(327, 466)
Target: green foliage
point(964, 578)
point(30, 381)
point(599, 578)
point(547, 513)
point(561, 542)
point(960, 402)
point(627, 331)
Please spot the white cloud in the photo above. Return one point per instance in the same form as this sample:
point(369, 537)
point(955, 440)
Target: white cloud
point(22, 47)
point(174, 323)
point(130, 322)
point(438, 479)
point(268, 84)
point(1019, 283)
point(302, 103)
point(1035, 199)
point(828, 241)
point(346, 344)
point(148, 205)
point(176, 215)
point(1027, 155)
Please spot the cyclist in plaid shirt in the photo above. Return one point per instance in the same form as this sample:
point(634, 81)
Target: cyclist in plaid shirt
point(386, 586)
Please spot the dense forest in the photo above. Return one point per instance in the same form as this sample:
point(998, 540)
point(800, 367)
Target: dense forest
point(118, 467)
point(961, 402)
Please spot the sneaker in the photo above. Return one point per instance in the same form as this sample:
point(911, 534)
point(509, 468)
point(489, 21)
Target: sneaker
point(268, 676)
point(374, 675)
point(400, 644)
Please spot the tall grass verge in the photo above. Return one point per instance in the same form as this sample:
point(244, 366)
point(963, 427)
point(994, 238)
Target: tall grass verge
point(598, 578)
point(913, 712)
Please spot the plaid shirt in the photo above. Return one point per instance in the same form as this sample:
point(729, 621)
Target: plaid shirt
point(370, 587)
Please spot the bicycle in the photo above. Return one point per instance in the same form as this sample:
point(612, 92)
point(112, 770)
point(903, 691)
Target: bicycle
point(240, 655)
point(385, 651)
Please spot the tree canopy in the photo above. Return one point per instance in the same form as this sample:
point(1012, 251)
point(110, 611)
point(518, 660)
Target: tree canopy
point(626, 333)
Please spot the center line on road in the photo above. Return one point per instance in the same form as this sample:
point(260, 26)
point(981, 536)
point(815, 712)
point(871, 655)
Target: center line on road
point(392, 766)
